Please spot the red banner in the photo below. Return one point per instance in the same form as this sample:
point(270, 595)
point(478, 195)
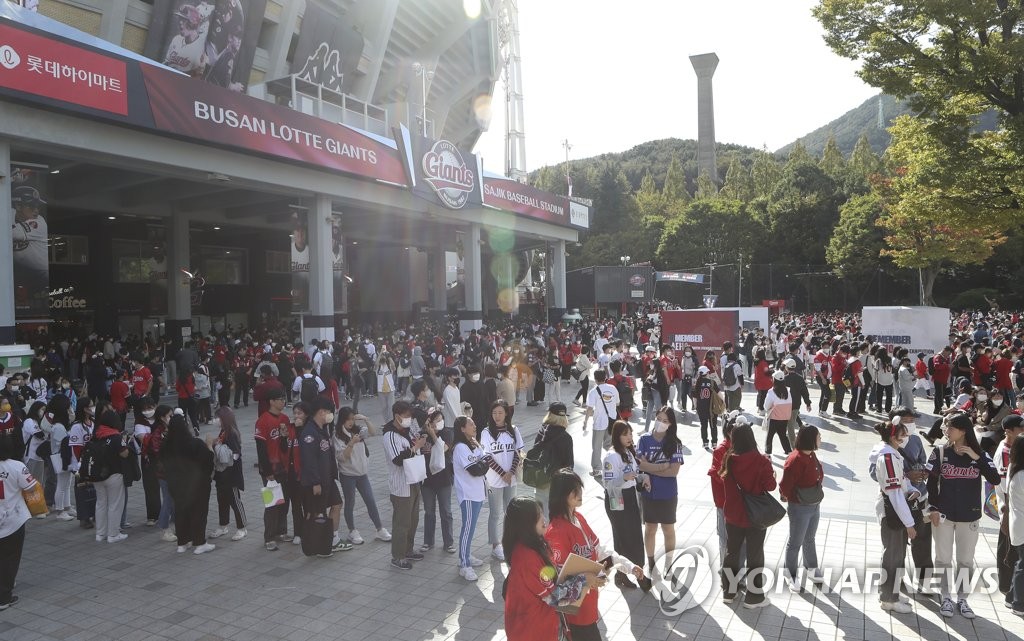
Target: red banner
point(702, 330)
point(514, 196)
point(207, 112)
point(44, 67)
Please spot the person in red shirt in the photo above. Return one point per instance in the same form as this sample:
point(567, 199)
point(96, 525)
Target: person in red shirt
point(857, 388)
point(278, 460)
point(746, 468)
point(569, 533)
point(1002, 369)
point(982, 367)
point(718, 485)
point(838, 369)
point(762, 378)
point(941, 369)
point(119, 395)
point(185, 385)
point(531, 593)
point(260, 393)
point(802, 476)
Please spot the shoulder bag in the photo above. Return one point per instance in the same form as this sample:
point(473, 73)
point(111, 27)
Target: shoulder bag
point(763, 510)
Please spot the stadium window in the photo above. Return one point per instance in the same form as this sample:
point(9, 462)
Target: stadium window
point(279, 262)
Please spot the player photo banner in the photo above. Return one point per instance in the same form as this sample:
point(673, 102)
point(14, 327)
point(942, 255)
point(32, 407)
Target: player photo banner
point(328, 50)
point(300, 262)
point(31, 244)
point(213, 40)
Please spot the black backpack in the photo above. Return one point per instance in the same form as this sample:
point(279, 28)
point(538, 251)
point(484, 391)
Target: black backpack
point(536, 472)
point(626, 401)
point(94, 465)
point(309, 390)
point(729, 374)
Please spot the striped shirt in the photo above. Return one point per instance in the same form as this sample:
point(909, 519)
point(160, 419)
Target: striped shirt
point(397, 444)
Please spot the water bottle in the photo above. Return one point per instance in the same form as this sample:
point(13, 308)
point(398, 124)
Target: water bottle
point(615, 502)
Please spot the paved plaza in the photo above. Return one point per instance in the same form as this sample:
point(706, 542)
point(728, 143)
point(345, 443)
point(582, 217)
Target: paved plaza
point(73, 588)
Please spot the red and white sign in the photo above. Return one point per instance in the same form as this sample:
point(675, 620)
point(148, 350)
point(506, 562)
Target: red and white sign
point(447, 173)
point(701, 329)
point(44, 67)
point(514, 196)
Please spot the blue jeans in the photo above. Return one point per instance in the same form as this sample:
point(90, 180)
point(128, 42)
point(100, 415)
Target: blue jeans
point(803, 525)
point(166, 507)
point(652, 408)
point(435, 498)
point(470, 515)
point(349, 485)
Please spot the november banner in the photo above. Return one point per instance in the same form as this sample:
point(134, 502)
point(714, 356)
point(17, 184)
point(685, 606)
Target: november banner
point(31, 243)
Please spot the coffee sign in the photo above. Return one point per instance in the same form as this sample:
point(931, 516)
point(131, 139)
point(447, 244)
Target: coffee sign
point(447, 173)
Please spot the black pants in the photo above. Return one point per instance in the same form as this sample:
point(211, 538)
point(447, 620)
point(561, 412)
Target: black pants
point(205, 411)
point(777, 427)
point(707, 418)
point(837, 402)
point(884, 391)
point(684, 392)
point(761, 395)
point(275, 519)
point(825, 395)
point(1006, 561)
point(191, 409)
point(941, 392)
point(862, 395)
point(584, 632)
point(229, 499)
point(921, 550)
point(627, 535)
point(241, 388)
point(754, 538)
point(151, 488)
point(10, 560)
point(584, 388)
point(190, 514)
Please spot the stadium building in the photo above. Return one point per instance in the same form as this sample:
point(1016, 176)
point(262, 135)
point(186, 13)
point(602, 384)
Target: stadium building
point(191, 164)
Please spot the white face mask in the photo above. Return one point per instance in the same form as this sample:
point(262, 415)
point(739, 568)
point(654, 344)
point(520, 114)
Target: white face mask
point(903, 441)
point(148, 413)
point(329, 417)
point(474, 377)
point(407, 421)
point(997, 401)
point(982, 398)
point(660, 426)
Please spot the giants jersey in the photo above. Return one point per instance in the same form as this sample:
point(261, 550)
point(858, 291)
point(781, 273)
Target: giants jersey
point(186, 56)
point(30, 243)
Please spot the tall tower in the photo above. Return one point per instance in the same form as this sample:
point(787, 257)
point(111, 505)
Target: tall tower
point(707, 162)
point(515, 126)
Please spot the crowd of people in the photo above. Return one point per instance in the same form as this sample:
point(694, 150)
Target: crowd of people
point(90, 419)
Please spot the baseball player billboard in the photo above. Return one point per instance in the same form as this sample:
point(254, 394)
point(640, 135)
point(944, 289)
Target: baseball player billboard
point(31, 248)
point(300, 263)
point(214, 40)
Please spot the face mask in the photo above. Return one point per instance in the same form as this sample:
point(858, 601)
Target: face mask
point(982, 398)
point(687, 353)
point(660, 426)
point(903, 441)
point(474, 377)
point(407, 421)
point(91, 411)
point(66, 386)
point(910, 428)
point(15, 388)
point(329, 417)
point(997, 402)
point(148, 413)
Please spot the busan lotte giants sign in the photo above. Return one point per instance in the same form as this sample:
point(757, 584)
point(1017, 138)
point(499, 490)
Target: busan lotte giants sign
point(447, 173)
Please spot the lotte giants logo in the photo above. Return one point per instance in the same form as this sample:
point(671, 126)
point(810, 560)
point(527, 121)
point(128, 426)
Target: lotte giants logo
point(447, 173)
point(9, 58)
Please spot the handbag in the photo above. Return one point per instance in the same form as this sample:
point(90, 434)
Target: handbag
point(273, 494)
point(415, 468)
point(810, 495)
point(317, 535)
point(35, 500)
point(717, 404)
point(763, 510)
point(437, 458)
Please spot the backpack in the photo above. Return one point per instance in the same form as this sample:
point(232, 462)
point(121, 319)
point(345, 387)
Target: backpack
point(309, 390)
point(931, 365)
point(625, 391)
point(94, 465)
point(326, 367)
point(536, 472)
point(729, 374)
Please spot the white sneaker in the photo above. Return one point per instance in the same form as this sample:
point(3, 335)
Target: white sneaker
point(41, 516)
point(816, 576)
point(239, 535)
point(100, 538)
point(498, 553)
point(64, 516)
point(183, 548)
point(296, 541)
point(219, 532)
point(169, 536)
point(117, 538)
point(475, 562)
point(792, 584)
point(355, 538)
point(898, 607)
point(383, 535)
point(468, 573)
point(72, 512)
point(204, 548)
point(760, 604)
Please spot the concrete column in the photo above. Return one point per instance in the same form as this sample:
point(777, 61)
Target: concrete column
point(179, 302)
point(112, 22)
point(6, 248)
point(277, 52)
point(439, 282)
point(707, 162)
point(341, 306)
point(319, 323)
point(472, 317)
point(557, 277)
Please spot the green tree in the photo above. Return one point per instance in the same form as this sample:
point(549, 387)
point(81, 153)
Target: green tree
point(854, 251)
point(801, 212)
point(798, 155)
point(765, 173)
point(712, 230)
point(863, 161)
point(832, 161)
point(650, 201)
point(675, 183)
point(706, 188)
point(739, 185)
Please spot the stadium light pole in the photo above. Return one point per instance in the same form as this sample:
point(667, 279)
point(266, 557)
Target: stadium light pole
point(425, 76)
point(625, 260)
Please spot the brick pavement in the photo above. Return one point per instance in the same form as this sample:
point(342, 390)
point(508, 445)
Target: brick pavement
point(72, 588)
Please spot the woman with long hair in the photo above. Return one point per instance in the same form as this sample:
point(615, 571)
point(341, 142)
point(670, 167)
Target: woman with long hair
point(621, 467)
point(32, 435)
point(110, 496)
point(884, 378)
point(436, 489)
point(800, 487)
point(954, 498)
point(503, 443)
point(152, 443)
point(353, 456)
point(14, 479)
point(778, 407)
point(896, 519)
point(530, 591)
point(568, 533)
point(470, 466)
point(1015, 507)
point(660, 455)
point(185, 385)
point(229, 481)
point(744, 470)
point(188, 465)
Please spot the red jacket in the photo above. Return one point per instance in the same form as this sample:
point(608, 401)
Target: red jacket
point(982, 367)
point(119, 393)
point(940, 369)
point(717, 484)
point(753, 471)
point(564, 538)
point(186, 389)
point(800, 470)
point(527, 616)
point(838, 369)
point(762, 377)
point(1002, 368)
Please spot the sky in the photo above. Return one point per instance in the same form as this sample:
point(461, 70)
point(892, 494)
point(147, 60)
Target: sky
point(608, 75)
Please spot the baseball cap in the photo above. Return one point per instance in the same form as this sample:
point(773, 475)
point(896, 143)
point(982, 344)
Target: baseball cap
point(789, 363)
point(26, 195)
point(703, 370)
point(190, 14)
point(1013, 422)
point(779, 375)
point(650, 348)
point(557, 409)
